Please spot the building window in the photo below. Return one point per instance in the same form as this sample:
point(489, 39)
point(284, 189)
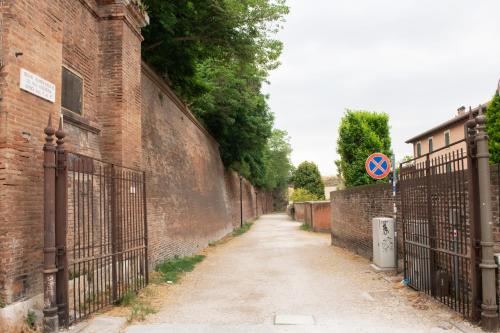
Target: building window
point(72, 91)
point(431, 146)
point(447, 138)
point(419, 149)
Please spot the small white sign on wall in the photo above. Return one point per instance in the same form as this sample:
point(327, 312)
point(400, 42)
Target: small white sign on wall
point(34, 84)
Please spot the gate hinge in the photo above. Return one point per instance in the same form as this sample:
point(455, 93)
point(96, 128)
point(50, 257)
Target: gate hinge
point(61, 250)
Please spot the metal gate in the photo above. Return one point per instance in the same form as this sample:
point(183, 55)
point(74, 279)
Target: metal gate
point(100, 231)
point(438, 220)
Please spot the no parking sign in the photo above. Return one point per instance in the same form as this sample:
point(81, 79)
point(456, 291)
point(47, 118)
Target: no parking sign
point(378, 166)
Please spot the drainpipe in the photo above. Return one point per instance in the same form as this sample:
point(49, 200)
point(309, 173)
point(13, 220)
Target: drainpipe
point(489, 315)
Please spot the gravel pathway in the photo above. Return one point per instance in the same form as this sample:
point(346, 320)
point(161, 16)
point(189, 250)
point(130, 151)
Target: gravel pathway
point(277, 269)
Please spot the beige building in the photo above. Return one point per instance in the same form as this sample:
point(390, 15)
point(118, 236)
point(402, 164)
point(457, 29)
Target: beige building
point(442, 136)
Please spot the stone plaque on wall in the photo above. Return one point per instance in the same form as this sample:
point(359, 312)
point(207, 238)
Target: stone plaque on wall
point(37, 86)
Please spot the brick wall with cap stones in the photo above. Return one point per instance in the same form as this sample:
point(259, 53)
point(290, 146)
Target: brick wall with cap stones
point(318, 215)
point(129, 117)
point(352, 211)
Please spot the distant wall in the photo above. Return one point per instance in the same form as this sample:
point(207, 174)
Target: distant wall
point(318, 215)
point(299, 214)
point(352, 211)
point(191, 199)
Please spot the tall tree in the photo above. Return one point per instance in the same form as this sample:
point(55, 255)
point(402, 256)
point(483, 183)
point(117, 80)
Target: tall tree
point(361, 133)
point(236, 114)
point(184, 33)
point(217, 54)
point(493, 127)
point(307, 177)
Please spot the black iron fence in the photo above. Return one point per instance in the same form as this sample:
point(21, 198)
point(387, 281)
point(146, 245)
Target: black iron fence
point(437, 233)
point(95, 239)
point(106, 234)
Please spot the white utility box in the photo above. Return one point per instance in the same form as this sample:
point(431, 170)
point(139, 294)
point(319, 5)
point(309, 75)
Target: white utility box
point(384, 243)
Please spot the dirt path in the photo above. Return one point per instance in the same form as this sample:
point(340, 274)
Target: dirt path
point(277, 269)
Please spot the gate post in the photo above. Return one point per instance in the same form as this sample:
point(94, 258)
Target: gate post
point(473, 197)
point(114, 236)
point(50, 319)
point(61, 228)
point(489, 316)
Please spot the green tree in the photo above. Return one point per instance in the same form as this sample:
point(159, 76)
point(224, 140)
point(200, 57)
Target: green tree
point(307, 177)
point(493, 128)
point(301, 194)
point(216, 54)
point(184, 33)
point(277, 164)
point(361, 133)
point(236, 114)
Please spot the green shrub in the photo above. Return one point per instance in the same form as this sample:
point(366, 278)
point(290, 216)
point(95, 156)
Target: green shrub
point(305, 227)
point(493, 128)
point(301, 194)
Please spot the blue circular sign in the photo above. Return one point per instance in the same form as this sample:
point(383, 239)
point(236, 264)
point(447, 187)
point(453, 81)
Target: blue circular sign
point(378, 166)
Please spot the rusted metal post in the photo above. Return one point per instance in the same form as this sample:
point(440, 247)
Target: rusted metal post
point(474, 216)
point(61, 228)
point(114, 232)
point(241, 202)
point(489, 315)
point(146, 261)
point(50, 319)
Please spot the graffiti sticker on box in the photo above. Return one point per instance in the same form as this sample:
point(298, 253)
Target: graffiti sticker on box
point(37, 86)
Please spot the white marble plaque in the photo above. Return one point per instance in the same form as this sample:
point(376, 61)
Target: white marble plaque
point(34, 84)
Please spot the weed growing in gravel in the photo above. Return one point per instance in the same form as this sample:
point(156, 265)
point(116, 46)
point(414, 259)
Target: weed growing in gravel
point(31, 319)
point(127, 299)
point(305, 227)
point(174, 268)
point(139, 312)
point(242, 230)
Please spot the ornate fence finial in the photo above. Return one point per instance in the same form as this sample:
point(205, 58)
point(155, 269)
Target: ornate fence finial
point(60, 134)
point(49, 132)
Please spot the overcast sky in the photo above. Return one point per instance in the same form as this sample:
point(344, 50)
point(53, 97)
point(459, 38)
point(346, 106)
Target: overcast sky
point(416, 60)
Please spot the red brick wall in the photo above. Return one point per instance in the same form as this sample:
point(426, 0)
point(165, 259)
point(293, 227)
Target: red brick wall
point(42, 36)
point(321, 216)
point(33, 30)
point(128, 118)
point(192, 199)
point(352, 211)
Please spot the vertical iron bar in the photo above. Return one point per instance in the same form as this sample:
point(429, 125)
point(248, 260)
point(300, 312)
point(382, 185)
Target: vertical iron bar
point(145, 231)
point(430, 226)
point(50, 318)
point(114, 289)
